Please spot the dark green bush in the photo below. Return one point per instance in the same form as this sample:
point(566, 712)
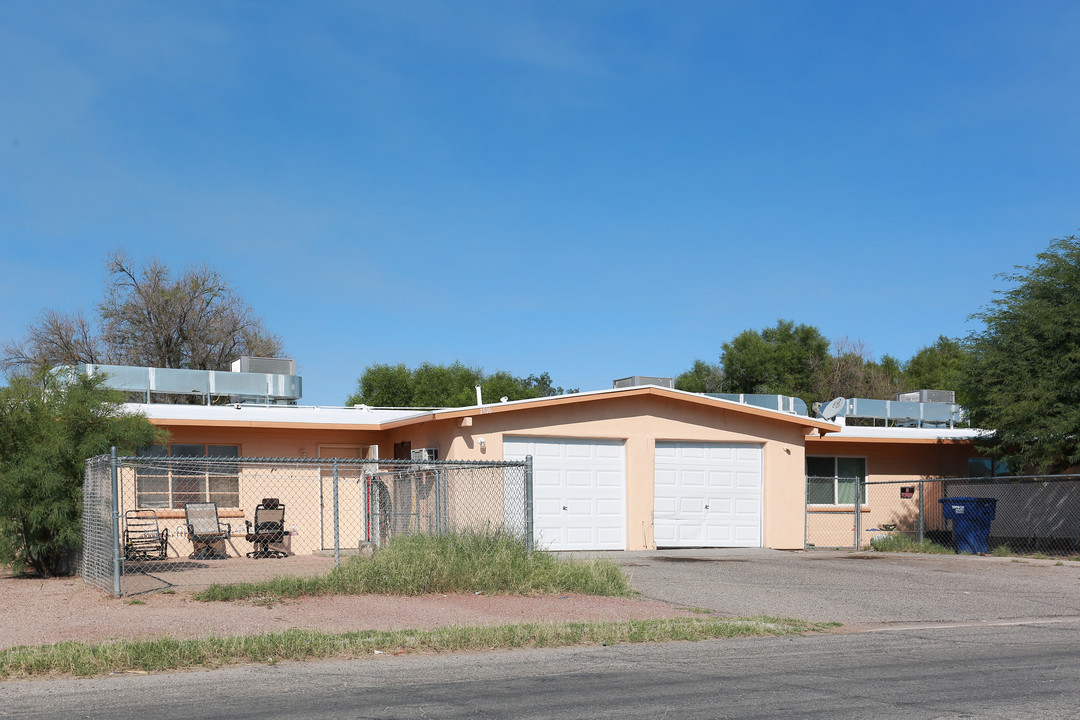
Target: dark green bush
point(50, 423)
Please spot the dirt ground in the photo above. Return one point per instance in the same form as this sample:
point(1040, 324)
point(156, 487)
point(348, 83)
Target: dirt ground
point(38, 611)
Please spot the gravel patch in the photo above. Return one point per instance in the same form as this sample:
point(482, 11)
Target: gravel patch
point(40, 611)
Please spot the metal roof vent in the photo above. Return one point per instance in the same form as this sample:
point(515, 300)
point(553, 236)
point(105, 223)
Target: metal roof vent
point(945, 396)
point(635, 380)
point(275, 366)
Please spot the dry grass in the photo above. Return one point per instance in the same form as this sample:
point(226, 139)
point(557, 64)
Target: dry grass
point(80, 659)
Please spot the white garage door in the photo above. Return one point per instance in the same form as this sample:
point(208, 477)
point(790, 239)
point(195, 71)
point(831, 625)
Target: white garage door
point(707, 495)
point(579, 491)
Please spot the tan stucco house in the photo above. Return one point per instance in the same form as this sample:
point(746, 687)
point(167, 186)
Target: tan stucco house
point(630, 468)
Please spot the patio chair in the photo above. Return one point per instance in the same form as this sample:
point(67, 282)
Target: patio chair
point(206, 531)
point(143, 540)
point(269, 528)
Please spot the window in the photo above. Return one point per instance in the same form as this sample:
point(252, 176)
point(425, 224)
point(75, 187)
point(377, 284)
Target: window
point(987, 467)
point(831, 480)
point(188, 473)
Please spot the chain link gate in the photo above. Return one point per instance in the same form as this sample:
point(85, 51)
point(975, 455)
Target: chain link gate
point(862, 510)
point(156, 522)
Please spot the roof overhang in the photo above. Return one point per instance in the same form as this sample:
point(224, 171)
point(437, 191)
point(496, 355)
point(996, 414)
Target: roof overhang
point(902, 436)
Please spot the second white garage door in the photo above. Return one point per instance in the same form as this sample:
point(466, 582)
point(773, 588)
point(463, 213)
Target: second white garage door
point(579, 491)
point(707, 495)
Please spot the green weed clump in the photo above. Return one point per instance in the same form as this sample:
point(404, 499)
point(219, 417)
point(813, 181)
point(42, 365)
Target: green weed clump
point(1002, 550)
point(493, 563)
point(903, 543)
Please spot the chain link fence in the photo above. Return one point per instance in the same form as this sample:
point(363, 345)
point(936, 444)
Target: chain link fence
point(1031, 514)
point(155, 522)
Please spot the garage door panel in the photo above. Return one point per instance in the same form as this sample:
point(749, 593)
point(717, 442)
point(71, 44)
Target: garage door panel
point(610, 479)
point(747, 507)
point(666, 450)
point(748, 480)
point(547, 505)
point(727, 477)
point(691, 505)
point(690, 534)
point(578, 450)
point(719, 534)
point(610, 451)
point(692, 478)
point(693, 452)
point(610, 508)
point(721, 505)
point(665, 536)
point(664, 505)
point(546, 477)
point(720, 454)
point(588, 479)
point(579, 478)
point(610, 536)
point(721, 479)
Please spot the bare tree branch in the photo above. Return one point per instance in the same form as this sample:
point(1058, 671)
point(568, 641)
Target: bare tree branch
point(149, 318)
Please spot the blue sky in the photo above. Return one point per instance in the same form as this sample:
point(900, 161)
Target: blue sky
point(593, 189)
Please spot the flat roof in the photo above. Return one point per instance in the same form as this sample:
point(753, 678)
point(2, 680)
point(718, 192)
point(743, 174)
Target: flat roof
point(368, 418)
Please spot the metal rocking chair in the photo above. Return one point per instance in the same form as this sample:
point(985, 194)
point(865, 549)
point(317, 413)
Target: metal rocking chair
point(143, 540)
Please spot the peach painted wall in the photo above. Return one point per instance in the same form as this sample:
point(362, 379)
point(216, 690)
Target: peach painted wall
point(640, 422)
point(895, 461)
point(305, 491)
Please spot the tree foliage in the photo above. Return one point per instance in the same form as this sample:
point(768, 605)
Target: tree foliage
point(702, 377)
point(1023, 380)
point(49, 425)
point(940, 366)
point(149, 317)
point(779, 360)
point(791, 359)
point(431, 385)
point(851, 371)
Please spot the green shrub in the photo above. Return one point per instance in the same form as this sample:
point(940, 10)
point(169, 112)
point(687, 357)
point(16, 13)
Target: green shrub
point(49, 426)
point(895, 542)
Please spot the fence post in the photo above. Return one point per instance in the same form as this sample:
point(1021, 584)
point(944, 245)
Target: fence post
point(114, 477)
point(806, 514)
point(438, 505)
point(529, 502)
point(859, 486)
point(337, 527)
point(922, 522)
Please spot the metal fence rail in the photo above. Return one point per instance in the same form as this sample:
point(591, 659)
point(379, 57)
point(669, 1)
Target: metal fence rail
point(1033, 514)
point(138, 519)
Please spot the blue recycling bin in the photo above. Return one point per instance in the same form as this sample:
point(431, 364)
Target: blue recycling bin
point(971, 518)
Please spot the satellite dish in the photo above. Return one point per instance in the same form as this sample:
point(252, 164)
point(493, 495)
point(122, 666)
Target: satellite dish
point(833, 408)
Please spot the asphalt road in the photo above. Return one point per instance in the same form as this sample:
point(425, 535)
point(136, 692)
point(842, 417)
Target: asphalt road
point(859, 589)
point(1030, 671)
